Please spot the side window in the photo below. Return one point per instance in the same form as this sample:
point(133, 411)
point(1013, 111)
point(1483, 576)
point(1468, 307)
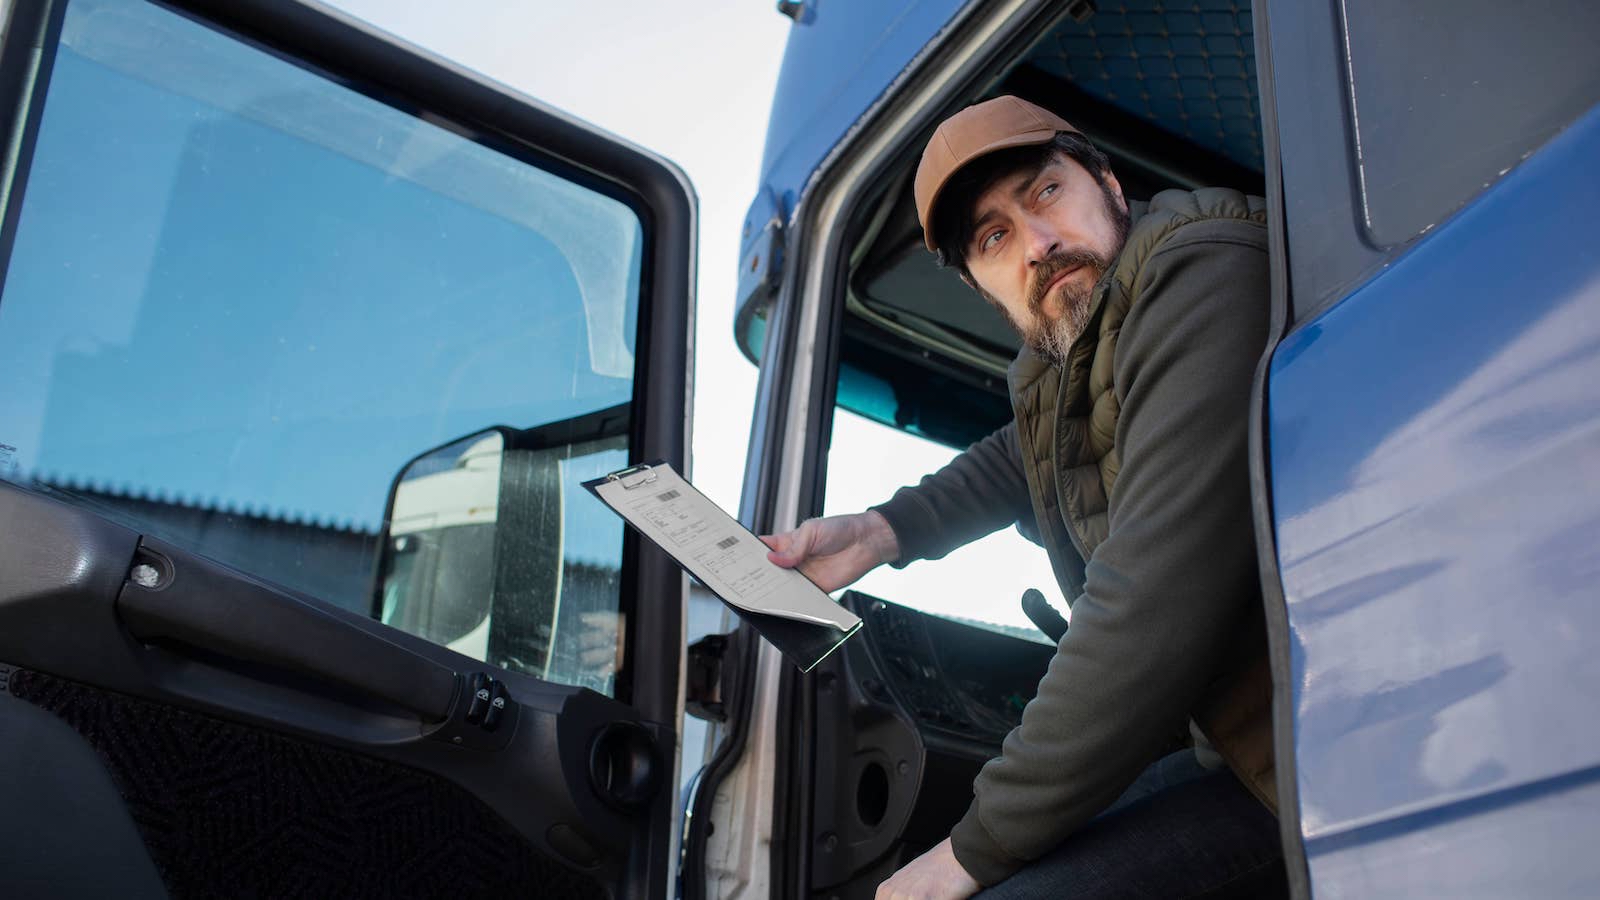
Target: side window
point(1447, 95)
point(245, 302)
point(979, 584)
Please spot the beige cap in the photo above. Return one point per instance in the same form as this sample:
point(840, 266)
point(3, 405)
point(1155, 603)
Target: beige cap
point(980, 129)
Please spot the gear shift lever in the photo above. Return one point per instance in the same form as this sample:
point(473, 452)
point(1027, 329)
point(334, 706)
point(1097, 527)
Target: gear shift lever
point(1043, 615)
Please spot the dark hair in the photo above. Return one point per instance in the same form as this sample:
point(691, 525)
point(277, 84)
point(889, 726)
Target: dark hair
point(952, 215)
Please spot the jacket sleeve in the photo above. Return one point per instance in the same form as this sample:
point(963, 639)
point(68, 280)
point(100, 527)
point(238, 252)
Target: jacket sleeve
point(978, 492)
point(1173, 580)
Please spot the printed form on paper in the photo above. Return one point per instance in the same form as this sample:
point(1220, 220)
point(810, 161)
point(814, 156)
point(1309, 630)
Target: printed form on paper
point(715, 548)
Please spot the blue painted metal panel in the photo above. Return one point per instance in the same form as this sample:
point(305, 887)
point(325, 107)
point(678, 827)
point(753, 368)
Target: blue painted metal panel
point(1435, 456)
point(1536, 846)
point(840, 59)
point(841, 56)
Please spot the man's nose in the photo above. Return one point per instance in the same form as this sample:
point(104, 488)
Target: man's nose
point(1042, 240)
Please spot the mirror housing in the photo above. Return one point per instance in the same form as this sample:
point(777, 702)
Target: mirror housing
point(437, 547)
point(472, 550)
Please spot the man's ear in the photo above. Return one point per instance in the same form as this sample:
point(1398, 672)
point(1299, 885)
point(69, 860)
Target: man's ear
point(1115, 187)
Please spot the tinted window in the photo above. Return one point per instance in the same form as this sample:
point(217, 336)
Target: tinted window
point(1449, 94)
point(243, 297)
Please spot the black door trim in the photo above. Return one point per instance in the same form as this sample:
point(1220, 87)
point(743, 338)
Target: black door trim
point(366, 59)
point(1274, 603)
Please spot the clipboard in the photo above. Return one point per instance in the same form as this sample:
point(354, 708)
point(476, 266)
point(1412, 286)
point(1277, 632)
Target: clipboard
point(796, 616)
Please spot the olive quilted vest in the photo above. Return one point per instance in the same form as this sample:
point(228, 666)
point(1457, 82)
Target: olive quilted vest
point(1066, 430)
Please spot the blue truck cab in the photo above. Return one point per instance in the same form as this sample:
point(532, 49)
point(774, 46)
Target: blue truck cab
point(1424, 436)
point(310, 341)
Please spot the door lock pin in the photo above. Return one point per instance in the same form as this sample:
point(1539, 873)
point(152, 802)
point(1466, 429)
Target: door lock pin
point(145, 575)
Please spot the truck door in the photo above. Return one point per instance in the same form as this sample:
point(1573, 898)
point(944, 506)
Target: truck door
point(1430, 443)
point(308, 340)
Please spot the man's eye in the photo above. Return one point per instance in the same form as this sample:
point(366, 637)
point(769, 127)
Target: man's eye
point(1048, 190)
point(991, 239)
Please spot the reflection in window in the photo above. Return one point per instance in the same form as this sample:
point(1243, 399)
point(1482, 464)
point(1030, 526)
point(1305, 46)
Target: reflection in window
point(440, 583)
point(236, 335)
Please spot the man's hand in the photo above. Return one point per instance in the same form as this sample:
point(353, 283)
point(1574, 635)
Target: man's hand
point(935, 875)
point(600, 642)
point(835, 551)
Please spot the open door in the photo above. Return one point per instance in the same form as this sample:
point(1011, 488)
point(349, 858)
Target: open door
point(1428, 445)
point(308, 342)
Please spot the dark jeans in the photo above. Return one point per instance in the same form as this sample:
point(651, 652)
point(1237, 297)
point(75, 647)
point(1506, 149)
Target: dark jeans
point(1179, 831)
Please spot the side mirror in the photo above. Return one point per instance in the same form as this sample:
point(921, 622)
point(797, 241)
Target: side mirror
point(436, 564)
point(492, 548)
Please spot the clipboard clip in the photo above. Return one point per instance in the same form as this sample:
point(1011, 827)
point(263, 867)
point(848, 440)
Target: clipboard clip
point(634, 476)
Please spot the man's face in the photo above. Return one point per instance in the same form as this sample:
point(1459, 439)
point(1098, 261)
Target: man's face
point(1040, 242)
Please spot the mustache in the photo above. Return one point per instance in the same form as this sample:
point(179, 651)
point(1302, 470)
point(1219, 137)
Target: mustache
point(1056, 263)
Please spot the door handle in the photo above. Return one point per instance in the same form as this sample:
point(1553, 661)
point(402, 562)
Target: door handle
point(183, 598)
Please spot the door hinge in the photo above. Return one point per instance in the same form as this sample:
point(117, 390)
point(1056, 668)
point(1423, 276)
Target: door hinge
point(704, 697)
point(761, 250)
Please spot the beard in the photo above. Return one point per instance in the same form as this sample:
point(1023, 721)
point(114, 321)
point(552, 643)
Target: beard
point(1052, 337)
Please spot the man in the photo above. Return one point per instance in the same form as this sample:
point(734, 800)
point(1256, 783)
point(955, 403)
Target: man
point(1142, 325)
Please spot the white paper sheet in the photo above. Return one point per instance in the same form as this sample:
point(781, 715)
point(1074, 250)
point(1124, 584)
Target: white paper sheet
point(716, 549)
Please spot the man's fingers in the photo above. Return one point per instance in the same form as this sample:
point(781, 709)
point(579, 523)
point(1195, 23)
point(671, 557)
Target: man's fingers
point(779, 548)
point(600, 659)
point(814, 540)
point(599, 619)
point(791, 548)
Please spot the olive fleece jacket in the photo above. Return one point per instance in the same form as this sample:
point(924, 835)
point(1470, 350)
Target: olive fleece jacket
point(1172, 586)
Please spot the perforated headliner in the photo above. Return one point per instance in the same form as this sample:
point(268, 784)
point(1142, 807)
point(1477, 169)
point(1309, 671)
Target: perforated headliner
point(1187, 68)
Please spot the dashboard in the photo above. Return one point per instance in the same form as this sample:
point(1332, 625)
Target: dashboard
point(953, 679)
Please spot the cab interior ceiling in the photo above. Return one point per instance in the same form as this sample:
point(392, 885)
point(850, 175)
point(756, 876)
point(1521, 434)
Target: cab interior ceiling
point(1167, 90)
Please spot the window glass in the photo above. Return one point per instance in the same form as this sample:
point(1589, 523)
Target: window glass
point(242, 298)
point(1449, 94)
point(980, 584)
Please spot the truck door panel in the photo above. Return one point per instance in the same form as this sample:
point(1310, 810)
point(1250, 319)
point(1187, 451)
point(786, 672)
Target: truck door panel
point(257, 257)
point(1430, 431)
